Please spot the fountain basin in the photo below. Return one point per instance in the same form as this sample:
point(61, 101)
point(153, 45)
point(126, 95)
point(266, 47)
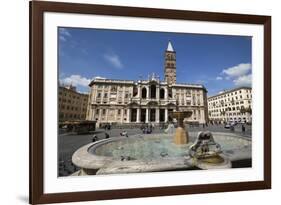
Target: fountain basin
point(150, 153)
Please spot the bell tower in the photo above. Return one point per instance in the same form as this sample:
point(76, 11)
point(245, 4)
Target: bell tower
point(170, 64)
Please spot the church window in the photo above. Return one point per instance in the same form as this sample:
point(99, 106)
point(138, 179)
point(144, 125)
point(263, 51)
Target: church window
point(135, 91)
point(143, 93)
point(162, 93)
point(153, 91)
point(170, 92)
point(113, 88)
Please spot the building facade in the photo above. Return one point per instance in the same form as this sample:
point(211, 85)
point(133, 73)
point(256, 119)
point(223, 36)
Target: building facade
point(231, 106)
point(72, 104)
point(144, 101)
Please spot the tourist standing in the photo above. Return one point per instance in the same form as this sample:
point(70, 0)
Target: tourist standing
point(243, 128)
point(106, 135)
point(95, 138)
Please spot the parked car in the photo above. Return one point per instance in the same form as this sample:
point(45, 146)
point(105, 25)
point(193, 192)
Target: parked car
point(233, 123)
point(227, 125)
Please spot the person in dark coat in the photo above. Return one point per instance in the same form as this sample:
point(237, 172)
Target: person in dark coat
point(243, 128)
point(95, 138)
point(106, 135)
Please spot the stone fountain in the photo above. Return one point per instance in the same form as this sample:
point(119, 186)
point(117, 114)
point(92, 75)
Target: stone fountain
point(206, 153)
point(163, 152)
point(181, 135)
point(158, 152)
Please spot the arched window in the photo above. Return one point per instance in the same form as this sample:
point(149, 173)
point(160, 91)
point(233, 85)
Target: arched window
point(162, 93)
point(143, 93)
point(153, 91)
point(135, 91)
point(170, 93)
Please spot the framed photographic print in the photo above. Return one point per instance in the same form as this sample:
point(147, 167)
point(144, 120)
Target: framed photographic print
point(135, 102)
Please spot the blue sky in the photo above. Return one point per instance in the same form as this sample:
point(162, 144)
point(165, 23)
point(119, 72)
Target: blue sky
point(216, 61)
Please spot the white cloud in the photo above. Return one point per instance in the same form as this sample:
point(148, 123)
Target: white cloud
point(99, 77)
point(114, 60)
point(64, 34)
point(62, 38)
point(76, 80)
point(245, 80)
point(239, 74)
point(238, 70)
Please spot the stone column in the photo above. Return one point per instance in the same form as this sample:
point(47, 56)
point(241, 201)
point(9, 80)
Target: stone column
point(106, 115)
point(122, 115)
point(166, 115)
point(100, 112)
point(138, 115)
point(166, 93)
point(116, 115)
point(92, 117)
point(157, 92)
point(148, 92)
point(128, 115)
point(123, 95)
point(157, 115)
point(147, 115)
point(102, 94)
point(139, 91)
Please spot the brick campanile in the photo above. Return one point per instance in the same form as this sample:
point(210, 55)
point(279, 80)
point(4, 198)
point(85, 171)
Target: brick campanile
point(170, 64)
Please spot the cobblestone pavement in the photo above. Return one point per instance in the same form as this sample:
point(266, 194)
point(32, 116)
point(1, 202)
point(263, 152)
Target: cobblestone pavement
point(68, 143)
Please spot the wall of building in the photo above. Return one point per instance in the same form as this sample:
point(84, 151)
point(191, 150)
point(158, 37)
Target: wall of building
point(72, 105)
point(233, 106)
point(124, 102)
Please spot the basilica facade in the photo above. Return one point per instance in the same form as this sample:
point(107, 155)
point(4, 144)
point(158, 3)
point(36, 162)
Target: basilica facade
point(146, 101)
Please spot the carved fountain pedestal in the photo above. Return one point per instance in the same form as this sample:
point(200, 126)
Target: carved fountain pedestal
point(207, 154)
point(181, 135)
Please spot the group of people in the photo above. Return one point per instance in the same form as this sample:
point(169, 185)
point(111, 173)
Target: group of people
point(147, 128)
point(96, 138)
point(107, 126)
point(243, 128)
